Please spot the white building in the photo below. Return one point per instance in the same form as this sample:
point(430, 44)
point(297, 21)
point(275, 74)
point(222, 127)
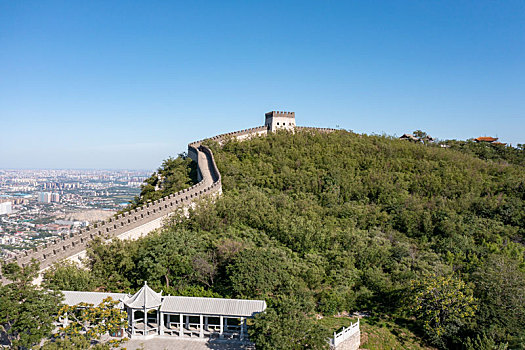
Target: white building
point(280, 120)
point(6, 208)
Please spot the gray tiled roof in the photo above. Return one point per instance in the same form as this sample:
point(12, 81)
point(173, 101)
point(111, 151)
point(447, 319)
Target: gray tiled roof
point(175, 304)
point(212, 306)
point(144, 298)
point(73, 297)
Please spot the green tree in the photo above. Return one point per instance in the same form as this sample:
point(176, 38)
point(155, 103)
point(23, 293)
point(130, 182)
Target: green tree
point(173, 175)
point(67, 275)
point(443, 304)
point(76, 342)
point(484, 342)
point(500, 288)
point(90, 322)
point(112, 265)
point(260, 272)
point(287, 327)
point(350, 219)
point(26, 312)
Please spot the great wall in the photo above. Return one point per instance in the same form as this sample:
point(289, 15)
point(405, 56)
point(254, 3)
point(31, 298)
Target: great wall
point(149, 217)
point(145, 219)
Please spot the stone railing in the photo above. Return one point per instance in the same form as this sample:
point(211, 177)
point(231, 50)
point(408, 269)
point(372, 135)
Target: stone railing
point(210, 183)
point(347, 339)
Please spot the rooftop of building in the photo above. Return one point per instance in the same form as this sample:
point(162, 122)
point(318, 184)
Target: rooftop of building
point(147, 298)
point(486, 139)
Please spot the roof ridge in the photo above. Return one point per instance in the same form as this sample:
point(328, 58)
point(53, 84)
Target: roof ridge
point(183, 296)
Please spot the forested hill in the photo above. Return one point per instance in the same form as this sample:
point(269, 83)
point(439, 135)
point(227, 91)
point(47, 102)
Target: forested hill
point(324, 223)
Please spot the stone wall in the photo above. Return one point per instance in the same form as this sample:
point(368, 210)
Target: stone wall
point(64, 247)
point(118, 226)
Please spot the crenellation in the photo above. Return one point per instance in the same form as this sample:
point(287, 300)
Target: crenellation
point(115, 226)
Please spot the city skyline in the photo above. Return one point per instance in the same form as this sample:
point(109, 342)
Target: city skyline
point(124, 86)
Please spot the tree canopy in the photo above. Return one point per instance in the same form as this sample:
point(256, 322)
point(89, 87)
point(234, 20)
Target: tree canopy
point(26, 312)
point(345, 222)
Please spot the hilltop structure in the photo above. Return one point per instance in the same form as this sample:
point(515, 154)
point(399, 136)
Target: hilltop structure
point(488, 139)
point(415, 138)
point(280, 120)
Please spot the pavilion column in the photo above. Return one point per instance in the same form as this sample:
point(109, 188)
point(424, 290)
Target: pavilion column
point(132, 322)
point(221, 327)
point(130, 316)
point(181, 327)
point(241, 336)
point(160, 323)
point(201, 329)
point(145, 320)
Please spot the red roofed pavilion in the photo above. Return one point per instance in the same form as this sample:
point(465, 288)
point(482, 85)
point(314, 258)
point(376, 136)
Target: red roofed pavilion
point(486, 139)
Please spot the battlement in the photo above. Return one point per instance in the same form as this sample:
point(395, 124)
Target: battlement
point(280, 120)
point(279, 114)
point(210, 184)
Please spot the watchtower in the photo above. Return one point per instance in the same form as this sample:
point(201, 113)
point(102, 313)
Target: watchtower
point(280, 120)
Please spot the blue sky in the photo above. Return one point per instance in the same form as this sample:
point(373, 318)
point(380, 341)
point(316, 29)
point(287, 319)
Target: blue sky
point(126, 84)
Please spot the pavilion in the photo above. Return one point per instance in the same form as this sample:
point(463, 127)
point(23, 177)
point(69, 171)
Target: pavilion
point(152, 314)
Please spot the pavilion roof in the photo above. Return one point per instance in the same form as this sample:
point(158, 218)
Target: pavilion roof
point(148, 298)
point(72, 298)
point(409, 137)
point(145, 298)
point(212, 306)
point(486, 139)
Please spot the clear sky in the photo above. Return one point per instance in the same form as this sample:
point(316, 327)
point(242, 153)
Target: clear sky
point(126, 84)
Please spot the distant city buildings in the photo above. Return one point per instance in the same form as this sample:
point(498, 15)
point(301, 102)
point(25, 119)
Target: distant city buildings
point(48, 197)
point(37, 205)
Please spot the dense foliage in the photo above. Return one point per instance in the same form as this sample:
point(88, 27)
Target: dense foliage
point(296, 331)
point(490, 151)
point(443, 304)
point(174, 175)
point(87, 323)
point(26, 312)
point(346, 222)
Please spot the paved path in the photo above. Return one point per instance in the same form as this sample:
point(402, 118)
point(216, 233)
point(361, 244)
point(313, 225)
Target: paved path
point(168, 343)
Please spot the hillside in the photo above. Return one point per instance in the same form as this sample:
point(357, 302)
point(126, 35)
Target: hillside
point(422, 237)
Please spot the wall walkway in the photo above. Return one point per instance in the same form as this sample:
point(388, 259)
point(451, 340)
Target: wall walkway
point(142, 220)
